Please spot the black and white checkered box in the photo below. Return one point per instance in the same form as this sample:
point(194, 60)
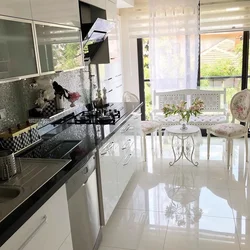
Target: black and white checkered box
point(21, 141)
point(50, 109)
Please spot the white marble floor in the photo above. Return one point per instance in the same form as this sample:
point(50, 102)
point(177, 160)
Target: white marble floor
point(184, 207)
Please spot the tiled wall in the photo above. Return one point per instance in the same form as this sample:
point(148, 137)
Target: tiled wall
point(18, 97)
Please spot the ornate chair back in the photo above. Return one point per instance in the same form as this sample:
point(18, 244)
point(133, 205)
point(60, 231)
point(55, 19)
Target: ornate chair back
point(240, 106)
point(130, 97)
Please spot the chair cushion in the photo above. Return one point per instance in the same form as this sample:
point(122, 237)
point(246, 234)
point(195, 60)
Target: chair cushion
point(149, 126)
point(228, 129)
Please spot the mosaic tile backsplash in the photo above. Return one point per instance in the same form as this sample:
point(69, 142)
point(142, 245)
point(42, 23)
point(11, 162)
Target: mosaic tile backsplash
point(20, 96)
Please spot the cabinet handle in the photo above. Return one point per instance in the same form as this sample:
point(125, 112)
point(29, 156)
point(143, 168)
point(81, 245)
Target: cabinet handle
point(126, 129)
point(118, 86)
point(110, 79)
point(108, 147)
point(110, 90)
point(127, 162)
point(44, 220)
point(137, 115)
point(126, 144)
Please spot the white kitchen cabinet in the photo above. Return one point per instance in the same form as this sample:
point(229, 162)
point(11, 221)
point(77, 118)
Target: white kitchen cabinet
point(125, 3)
point(64, 12)
point(126, 168)
point(108, 162)
point(67, 244)
point(111, 10)
point(111, 74)
point(117, 165)
point(16, 8)
point(98, 3)
point(131, 130)
point(46, 229)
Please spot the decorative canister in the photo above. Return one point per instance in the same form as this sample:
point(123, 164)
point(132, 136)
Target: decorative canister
point(20, 137)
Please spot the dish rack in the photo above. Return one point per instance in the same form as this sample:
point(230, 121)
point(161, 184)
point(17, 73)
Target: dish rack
point(20, 137)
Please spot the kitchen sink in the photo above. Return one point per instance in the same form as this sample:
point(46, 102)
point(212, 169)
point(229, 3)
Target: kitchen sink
point(8, 193)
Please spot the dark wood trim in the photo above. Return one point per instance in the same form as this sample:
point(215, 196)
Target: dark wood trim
point(245, 60)
point(141, 76)
point(199, 51)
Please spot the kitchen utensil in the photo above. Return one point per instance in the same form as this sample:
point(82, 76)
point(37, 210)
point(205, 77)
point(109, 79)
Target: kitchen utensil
point(7, 164)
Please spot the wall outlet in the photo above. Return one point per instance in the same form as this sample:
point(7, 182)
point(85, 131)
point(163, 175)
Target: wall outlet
point(2, 113)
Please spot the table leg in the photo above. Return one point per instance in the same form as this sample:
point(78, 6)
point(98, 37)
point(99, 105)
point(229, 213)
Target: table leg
point(190, 159)
point(176, 157)
point(185, 148)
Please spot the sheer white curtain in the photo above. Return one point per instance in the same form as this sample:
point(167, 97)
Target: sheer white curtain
point(174, 44)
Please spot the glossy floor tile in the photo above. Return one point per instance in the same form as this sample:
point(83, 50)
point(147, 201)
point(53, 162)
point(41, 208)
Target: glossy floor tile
point(185, 232)
point(184, 207)
point(133, 229)
point(243, 227)
point(110, 248)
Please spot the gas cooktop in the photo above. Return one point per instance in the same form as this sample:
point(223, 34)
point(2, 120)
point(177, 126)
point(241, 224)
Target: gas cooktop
point(98, 116)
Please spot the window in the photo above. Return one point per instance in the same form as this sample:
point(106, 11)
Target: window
point(221, 62)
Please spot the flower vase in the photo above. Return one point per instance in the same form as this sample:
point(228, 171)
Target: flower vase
point(72, 104)
point(183, 123)
point(59, 102)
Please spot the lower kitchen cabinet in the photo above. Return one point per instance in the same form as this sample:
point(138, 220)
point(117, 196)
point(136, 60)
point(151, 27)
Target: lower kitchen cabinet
point(117, 164)
point(108, 161)
point(125, 170)
point(67, 244)
point(48, 228)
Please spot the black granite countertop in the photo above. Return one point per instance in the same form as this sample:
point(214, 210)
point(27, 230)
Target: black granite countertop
point(86, 138)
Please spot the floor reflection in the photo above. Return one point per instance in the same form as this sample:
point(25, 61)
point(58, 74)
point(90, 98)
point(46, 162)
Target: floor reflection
point(185, 207)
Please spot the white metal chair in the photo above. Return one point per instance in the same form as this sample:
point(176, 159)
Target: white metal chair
point(147, 127)
point(240, 109)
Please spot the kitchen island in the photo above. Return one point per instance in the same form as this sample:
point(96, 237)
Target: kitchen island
point(63, 140)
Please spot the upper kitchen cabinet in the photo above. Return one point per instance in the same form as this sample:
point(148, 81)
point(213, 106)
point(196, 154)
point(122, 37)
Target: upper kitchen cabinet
point(16, 8)
point(111, 10)
point(64, 12)
point(17, 51)
point(98, 3)
point(59, 47)
point(125, 3)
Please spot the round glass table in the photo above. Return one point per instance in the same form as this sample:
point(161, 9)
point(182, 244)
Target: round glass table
point(182, 142)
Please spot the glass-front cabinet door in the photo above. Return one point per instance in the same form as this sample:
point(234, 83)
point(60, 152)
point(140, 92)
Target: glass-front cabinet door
point(59, 47)
point(17, 50)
